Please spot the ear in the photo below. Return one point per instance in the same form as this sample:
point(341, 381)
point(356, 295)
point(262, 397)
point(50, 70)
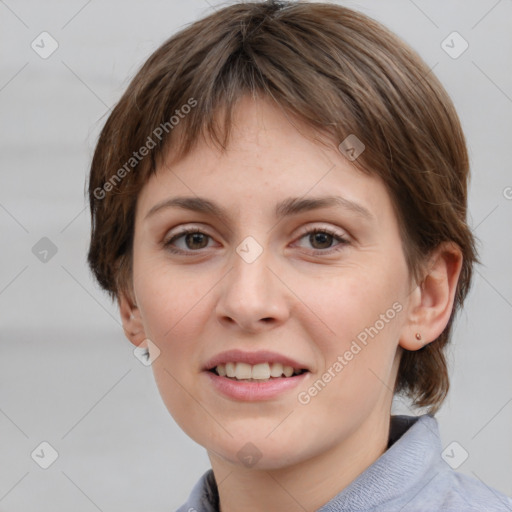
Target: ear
point(132, 321)
point(431, 302)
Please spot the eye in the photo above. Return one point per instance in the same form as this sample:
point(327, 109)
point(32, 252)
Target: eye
point(193, 240)
point(321, 240)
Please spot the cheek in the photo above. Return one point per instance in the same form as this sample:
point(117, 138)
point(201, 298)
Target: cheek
point(174, 307)
point(350, 303)
point(361, 317)
point(171, 301)
point(357, 353)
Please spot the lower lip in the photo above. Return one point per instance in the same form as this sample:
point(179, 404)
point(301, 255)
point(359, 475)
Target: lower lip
point(254, 391)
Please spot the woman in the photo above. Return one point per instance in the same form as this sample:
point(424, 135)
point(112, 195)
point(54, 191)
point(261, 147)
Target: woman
point(279, 206)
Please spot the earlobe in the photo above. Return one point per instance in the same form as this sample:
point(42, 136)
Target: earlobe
point(432, 301)
point(131, 319)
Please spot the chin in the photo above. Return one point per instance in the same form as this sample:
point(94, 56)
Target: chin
point(257, 452)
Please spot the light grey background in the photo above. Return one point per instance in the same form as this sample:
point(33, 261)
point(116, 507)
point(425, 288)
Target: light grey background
point(67, 374)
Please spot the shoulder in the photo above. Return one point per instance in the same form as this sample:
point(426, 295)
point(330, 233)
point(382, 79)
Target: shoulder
point(424, 480)
point(457, 491)
point(442, 489)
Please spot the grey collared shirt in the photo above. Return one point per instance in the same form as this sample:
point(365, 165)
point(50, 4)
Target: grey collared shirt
point(410, 476)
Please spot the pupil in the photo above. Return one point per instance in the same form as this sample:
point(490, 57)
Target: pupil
point(195, 238)
point(323, 238)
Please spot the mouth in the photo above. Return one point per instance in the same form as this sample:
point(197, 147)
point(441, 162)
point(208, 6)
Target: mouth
point(261, 372)
point(254, 376)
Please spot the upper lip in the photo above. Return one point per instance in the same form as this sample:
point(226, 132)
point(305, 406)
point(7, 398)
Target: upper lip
point(252, 358)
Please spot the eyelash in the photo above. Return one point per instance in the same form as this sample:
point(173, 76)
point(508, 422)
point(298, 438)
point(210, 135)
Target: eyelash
point(342, 241)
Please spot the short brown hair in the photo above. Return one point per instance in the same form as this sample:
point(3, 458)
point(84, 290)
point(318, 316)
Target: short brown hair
point(340, 72)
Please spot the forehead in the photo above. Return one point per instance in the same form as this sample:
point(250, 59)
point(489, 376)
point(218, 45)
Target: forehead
point(269, 156)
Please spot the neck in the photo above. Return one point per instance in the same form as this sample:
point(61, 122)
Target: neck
point(308, 484)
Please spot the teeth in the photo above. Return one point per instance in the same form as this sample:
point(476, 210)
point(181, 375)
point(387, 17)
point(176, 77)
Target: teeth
point(288, 371)
point(243, 371)
point(276, 370)
point(230, 369)
point(261, 371)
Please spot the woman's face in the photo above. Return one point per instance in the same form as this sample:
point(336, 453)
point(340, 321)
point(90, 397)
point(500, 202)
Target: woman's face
point(255, 279)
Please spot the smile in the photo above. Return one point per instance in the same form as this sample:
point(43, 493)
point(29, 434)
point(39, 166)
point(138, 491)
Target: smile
point(262, 372)
point(254, 390)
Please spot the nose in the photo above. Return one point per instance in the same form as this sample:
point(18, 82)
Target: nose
point(252, 296)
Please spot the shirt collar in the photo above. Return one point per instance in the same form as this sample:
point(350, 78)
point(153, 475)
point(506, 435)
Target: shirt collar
point(413, 442)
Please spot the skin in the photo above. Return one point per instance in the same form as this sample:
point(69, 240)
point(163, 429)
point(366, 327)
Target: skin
point(293, 299)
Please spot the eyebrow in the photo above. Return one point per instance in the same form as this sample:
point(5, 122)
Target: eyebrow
point(288, 207)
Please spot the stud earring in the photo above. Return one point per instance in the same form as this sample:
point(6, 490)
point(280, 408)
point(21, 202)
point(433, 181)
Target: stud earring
point(418, 336)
